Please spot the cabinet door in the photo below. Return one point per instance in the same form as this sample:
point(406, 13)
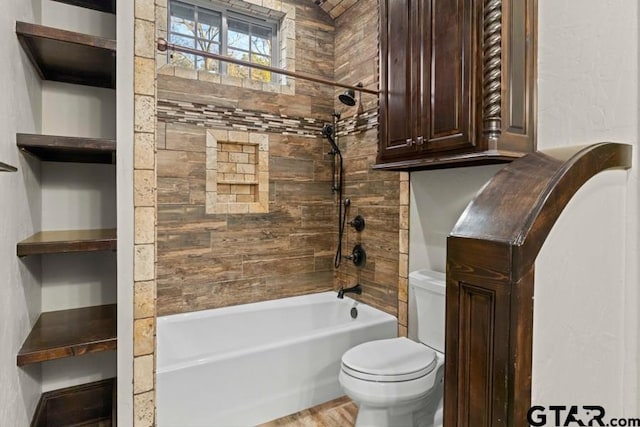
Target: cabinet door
point(446, 100)
point(398, 99)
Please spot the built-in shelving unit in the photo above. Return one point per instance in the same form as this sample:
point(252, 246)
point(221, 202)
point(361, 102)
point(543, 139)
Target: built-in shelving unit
point(69, 57)
point(67, 333)
point(7, 168)
point(64, 241)
point(68, 149)
point(108, 6)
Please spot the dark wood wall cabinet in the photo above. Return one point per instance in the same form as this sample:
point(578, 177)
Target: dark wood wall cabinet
point(457, 82)
point(491, 254)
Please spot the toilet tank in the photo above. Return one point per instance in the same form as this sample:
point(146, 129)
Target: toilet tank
point(426, 308)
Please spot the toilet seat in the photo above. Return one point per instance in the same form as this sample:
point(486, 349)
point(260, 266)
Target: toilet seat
point(389, 360)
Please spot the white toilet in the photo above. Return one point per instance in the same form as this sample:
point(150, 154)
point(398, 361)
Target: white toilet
point(399, 382)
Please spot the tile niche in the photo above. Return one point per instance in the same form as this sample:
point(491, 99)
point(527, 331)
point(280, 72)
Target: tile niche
point(237, 172)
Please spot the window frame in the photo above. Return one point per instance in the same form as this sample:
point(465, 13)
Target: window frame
point(227, 13)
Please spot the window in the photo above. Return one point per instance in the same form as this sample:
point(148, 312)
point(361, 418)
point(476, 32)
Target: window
point(225, 32)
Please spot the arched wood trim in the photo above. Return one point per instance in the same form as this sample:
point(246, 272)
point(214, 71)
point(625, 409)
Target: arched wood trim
point(490, 270)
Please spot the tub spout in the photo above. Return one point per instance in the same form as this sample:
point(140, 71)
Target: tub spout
point(357, 289)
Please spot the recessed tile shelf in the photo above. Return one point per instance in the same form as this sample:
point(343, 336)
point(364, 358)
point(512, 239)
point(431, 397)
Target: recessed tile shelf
point(67, 333)
point(68, 149)
point(107, 6)
point(69, 57)
point(53, 242)
point(7, 168)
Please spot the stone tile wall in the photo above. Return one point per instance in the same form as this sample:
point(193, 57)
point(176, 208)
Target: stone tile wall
point(144, 214)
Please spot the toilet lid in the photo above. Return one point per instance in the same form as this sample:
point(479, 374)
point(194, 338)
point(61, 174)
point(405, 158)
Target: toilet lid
point(390, 360)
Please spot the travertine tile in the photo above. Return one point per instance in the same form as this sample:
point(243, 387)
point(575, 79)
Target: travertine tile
point(144, 152)
point(186, 73)
point(144, 231)
point(144, 262)
point(143, 374)
point(144, 76)
point(238, 136)
point(144, 188)
point(403, 266)
point(404, 193)
point(144, 39)
point(143, 336)
point(144, 9)
point(402, 313)
point(144, 409)
point(161, 21)
point(404, 241)
point(404, 217)
point(144, 299)
point(403, 289)
point(144, 115)
point(207, 76)
point(402, 331)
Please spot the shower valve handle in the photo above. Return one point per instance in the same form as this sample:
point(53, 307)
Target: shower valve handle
point(357, 223)
point(358, 256)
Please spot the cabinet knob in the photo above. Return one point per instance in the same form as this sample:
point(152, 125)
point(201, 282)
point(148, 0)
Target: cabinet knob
point(409, 142)
point(420, 140)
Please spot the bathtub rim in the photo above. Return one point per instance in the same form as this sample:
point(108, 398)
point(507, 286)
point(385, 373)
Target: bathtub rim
point(307, 299)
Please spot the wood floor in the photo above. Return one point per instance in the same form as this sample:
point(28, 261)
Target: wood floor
point(336, 413)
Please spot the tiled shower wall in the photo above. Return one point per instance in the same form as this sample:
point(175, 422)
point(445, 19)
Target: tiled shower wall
point(374, 194)
point(200, 260)
point(222, 254)
point(214, 260)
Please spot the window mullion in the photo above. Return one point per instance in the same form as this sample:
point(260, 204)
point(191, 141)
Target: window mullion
point(223, 41)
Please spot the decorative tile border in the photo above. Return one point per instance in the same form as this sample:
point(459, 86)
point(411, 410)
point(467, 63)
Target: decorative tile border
point(211, 116)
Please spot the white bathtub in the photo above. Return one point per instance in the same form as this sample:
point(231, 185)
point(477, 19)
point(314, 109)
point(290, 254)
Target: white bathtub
point(248, 364)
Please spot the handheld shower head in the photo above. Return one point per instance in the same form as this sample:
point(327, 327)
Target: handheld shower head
point(328, 132)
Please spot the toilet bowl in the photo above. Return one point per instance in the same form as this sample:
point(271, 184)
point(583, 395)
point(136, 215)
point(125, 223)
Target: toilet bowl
point(398, 382)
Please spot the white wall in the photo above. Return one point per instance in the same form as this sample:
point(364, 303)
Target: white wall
point(586, 304)
point(125, 210)
point(438, 198)
point(78, 196)
point(20, 111)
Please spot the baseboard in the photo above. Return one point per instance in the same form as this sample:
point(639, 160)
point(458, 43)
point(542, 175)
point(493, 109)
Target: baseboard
point(90, 404)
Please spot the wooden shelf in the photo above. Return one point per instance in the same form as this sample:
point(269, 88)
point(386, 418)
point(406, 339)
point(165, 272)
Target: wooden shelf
point(107, 6)
point(68, 149)
point(67, 333)
point(93, 404)
point(7, 168)
point(55, 242)
point(69, 57)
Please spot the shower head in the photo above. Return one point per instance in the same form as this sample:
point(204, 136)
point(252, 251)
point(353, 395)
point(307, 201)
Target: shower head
point(328, 132)
point(348, 97)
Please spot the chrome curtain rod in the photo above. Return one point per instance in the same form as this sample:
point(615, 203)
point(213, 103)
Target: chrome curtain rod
point(163, 46)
